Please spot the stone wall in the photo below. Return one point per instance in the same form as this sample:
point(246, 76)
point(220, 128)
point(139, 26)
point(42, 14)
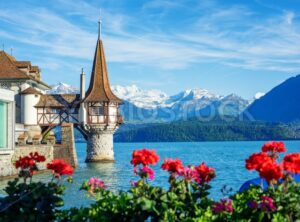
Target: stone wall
point(66, 150)
point(62, 152)
point(6, 167)
point(44, 150)
point(7, 161)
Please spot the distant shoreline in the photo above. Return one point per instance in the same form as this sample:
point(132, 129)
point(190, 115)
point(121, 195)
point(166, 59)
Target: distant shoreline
point(284, 140)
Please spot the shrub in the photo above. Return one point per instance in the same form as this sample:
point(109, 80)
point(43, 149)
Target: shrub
point(32, 201)
point(186, 199)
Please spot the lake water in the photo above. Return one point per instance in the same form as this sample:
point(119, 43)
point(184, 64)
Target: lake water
point(226, 157)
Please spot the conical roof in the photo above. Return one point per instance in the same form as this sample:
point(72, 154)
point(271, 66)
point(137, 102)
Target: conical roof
point(99, 89)
point(31, 90)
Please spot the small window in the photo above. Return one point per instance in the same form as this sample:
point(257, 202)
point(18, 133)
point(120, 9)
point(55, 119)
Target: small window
point(3, 125)
point(96, 111)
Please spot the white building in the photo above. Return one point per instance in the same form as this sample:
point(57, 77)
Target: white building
point(25, 81)
point(22, 95)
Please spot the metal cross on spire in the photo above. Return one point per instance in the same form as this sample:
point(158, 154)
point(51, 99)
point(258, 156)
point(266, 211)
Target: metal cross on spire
point(99, 26)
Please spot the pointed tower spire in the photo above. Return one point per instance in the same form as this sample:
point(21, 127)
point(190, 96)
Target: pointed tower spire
point(102, 117)
point(99, 26)
point(99, 89)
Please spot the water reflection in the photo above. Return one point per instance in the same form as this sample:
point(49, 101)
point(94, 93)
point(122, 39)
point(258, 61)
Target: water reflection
point(100, 167)
point(106, 171)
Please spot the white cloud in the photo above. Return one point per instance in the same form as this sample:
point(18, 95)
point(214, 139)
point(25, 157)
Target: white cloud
point(289, 17)
point(229, 36)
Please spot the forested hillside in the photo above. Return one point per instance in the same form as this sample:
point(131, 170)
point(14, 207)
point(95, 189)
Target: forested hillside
point(199, 131)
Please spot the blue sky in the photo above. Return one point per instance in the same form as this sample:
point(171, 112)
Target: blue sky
point(224, 46)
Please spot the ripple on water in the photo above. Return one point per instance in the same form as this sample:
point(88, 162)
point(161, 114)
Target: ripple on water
point(226, 157)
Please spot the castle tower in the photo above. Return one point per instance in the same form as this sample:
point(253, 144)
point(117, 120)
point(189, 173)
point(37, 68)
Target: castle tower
point(102, 114)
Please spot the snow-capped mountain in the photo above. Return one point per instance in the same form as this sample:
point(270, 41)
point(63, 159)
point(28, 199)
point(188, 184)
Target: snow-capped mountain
point(155, 105)
point(62, 88)
point(155, 98)
point(258, 95)
point(148, 99)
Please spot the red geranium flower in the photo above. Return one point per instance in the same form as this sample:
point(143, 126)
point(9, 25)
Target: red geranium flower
point(291, 163)
point(38, 158)
point(144, 157)
point(205, 173)
point(276, 147)
point(270, 171)
point(60, 167)
point(172, 166)
point(255, 161)
point(25, 162)
point(28, 164)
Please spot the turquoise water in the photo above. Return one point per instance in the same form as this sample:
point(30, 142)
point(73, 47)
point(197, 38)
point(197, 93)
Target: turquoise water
point(226, 157)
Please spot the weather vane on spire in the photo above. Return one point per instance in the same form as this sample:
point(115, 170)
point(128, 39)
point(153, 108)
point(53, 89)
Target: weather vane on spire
point(99, 28)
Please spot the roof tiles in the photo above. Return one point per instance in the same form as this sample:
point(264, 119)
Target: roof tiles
point(99, 89)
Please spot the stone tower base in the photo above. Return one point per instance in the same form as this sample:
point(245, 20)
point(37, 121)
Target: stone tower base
point(100, 144)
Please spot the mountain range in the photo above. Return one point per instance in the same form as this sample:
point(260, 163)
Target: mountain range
point(152, 115)
point(281, 104)
point(156, 106)
point(62, 88)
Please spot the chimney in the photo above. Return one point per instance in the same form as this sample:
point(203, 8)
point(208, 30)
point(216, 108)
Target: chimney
point(82, 84)
point(82, 110)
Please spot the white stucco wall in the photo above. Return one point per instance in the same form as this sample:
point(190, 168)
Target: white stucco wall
point(112, 109)
point(25, 86)
point(29, 112)
point(112, 112)
point(82, 113)
point(82, 110)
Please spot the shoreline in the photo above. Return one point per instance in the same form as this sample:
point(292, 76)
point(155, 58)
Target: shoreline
point(205, 141)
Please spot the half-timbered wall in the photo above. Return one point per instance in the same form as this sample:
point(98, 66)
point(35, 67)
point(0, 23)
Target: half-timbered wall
point(56, 116)
point(102, 113)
